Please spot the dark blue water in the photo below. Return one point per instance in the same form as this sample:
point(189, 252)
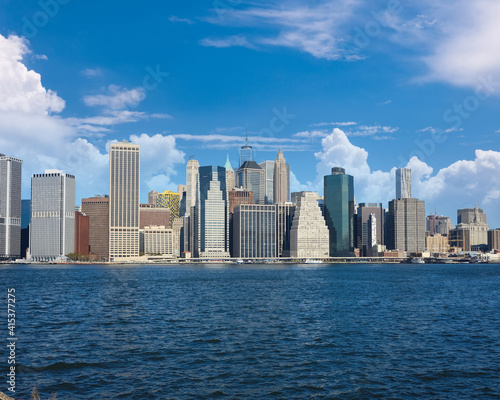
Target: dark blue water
point(336, 332)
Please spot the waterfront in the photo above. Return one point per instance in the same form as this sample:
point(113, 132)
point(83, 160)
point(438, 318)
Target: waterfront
point(284, 332)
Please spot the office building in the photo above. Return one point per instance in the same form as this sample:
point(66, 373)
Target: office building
point(124, 191)
point(149, 215)
point(239, 196)
point(177, 228)
point(339, 212)
point(281, 179)
point(403, 183)
point(191, 184)
point(254, 230)
point(309, 236)
point(158, 240)
point(252, 177)
point(97, 209)
point(82, 223)
point(52, 232)
point(170, 200)
point(363, 242)
point(406, 225)
point(181, 189)
point(230, 177)
point(10, 207)
point(474, 221)
point(211, 225)
point(284, 218)
point(437, 244)
point(152, 197)
point(459, 240)
point(494, 240)
point(25, 226)
point(268, 168)
point(438, 224)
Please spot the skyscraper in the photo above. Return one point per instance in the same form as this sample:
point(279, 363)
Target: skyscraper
point(10, 207)
point(363, 228)
point(252, 177)
point(230, 178)
point(339, 212)
point(52, 215)
point(281, 179)
point(403, 183)
point(474, 221)
point(284, 218)
point(170, 200)
point(406, 225)
point(211, 226)
point(246, 152)
point(97, 209)
point(124, 192)
point(268, 167)
point(191, 182)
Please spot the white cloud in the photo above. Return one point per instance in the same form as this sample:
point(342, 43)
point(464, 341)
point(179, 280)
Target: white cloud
point(371, 130)
point(21, 89)
point(92, 72)
point(232, 41)
point(175, 18)
point(374, 131)
point(117, 98)
point(320, 124)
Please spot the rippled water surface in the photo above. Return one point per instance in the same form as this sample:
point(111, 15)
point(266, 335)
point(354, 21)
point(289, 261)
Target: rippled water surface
point(265, 332)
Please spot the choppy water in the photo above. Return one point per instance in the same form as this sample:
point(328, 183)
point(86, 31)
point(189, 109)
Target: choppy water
point(266, 332)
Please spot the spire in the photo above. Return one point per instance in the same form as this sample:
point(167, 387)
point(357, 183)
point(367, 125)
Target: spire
point(228, 164)
point(246, 131)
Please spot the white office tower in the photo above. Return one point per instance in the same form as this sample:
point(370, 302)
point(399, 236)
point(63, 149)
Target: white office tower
point(309, 237)
point(124, 192)
point(10, 207)
point(403, 183)
point(192, 169)
point(52, 232)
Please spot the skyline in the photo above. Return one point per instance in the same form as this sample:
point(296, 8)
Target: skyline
point(298, 71)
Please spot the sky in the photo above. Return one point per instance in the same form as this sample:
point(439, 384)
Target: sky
point(367, 85)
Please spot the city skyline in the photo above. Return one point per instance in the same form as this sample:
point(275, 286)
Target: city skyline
point(337, 93)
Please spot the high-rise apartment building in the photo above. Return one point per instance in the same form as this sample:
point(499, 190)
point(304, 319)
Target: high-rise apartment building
point(170, 200)
point(230, 177)
point(309, 234)
point(252, 177)
point(191, 184)
point(268, 167)
point(254, 231)
point(339, 212)
point(281, 179)
point(403, 183)
point(10, 207)
point(52, 232)
point(364, 211)
point(211, 225)
point(97, 209)
point(124, 192)
point(406, 225)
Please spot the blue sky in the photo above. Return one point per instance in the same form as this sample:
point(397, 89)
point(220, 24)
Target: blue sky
point(367, 85)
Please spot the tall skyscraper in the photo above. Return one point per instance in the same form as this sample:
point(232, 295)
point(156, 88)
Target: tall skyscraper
point(309, 234)
point(230, 177)
point(52, 215)
point(124, 192)
point(254, 231)
point(97, 209)
point(406, 225)
point(268, 167)
point(252, 177)
point(191, 182)
point(82, 234)
point(25, 226)
point(403, 183)
point(363, 228)
point(284, 218)
point(211, 225)
point(281, 179)
point(246, 152)
point(10, 207)
point(339, 212)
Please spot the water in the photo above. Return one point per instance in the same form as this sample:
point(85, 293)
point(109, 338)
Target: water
point(265, 332)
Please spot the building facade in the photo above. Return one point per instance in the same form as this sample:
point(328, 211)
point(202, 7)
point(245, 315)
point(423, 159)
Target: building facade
point(438, 224)
point(170, 200)
point(494, 240)
point(191, 184)
point(363, 242)
point(284, 218)
point(474, 221)
point(406, 225)
point(158, 240)
point(252, 177)
point(52, 232)
point(211, 224)
point(268, 167)
point(254, 231)
point(10, 207)
point(239, 196)
point(230, 177)
point(309, 236)
point(339, 212)
point(403, 183)
point(97, 209)
point(437, 244)
point(154, 216)
point(281, 179)
point(124, 192)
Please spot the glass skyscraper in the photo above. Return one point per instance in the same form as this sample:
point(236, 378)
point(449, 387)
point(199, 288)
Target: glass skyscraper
point(339, 212)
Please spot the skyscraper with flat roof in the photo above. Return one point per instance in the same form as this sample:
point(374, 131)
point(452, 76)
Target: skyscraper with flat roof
point(339, 212)
point(403, 183)
point(10, 207)
point(124, 192)
point(97, 209)
point(268, 167)
point(406, 225)
point(52, 232)
point(250, 176)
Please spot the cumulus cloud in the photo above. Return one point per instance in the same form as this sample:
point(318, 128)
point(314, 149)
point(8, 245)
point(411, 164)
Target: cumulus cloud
point(117, 98)
point(21, 89)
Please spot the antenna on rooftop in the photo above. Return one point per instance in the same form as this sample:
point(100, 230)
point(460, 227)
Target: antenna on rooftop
point(246, 131)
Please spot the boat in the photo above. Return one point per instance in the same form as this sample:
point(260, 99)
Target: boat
point(311, 261)
point(240, 261)
point(417, 261)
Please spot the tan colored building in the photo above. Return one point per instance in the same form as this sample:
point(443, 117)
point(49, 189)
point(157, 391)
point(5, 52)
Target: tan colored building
point(437, 244)
point(459, 239)
point(281, 179)
point(158, 240)
point(192, 170)
point(97, 209)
